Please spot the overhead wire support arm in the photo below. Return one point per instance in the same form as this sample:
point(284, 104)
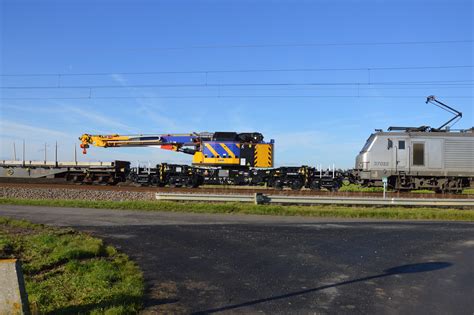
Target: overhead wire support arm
point(457, 114)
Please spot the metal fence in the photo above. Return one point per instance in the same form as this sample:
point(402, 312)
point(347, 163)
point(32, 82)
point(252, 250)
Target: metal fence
point(259, 198)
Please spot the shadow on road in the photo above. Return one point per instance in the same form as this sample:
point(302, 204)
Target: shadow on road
point(405, 269)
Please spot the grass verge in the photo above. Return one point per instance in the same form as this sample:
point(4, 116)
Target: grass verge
point(400, 213)
point(347, 187)
point(469, 191)
point(68, 272)
point(358, 188)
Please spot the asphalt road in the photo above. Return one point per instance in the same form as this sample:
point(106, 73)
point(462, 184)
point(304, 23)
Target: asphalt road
point(233, 264)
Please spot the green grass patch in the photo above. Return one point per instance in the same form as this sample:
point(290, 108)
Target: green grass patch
point(347, 187)
point(68, 272)
point(333, 211)
point(422, 191)
point(357, 188)
point(469, 191)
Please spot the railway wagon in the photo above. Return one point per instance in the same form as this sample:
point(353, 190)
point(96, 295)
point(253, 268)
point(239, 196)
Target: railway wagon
point(283, 177)
point(79, 172)
point(418, 158)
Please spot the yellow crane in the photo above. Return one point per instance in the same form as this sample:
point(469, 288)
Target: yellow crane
point(208, 149)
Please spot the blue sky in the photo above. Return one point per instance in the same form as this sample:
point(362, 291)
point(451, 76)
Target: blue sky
point(311, 124)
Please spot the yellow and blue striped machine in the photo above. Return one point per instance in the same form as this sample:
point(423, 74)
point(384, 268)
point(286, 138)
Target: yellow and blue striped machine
point(208, 149)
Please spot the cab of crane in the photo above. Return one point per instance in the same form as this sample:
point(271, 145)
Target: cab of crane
point(245, 137)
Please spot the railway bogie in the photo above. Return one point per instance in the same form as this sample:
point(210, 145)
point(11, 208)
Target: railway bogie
point(172, 175)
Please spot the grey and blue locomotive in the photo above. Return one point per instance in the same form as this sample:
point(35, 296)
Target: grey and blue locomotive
point(409, 158)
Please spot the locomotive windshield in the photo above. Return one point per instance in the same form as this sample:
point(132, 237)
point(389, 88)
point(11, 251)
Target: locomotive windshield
point(368, 143)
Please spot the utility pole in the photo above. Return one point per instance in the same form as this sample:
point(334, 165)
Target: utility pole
point(14, 152)
point(56, 154)
point(75, 154)
point(23, 152)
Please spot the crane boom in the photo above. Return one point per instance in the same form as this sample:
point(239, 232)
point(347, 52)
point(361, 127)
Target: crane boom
point(174, 142)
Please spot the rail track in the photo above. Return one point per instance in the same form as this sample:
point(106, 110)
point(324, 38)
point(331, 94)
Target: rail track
point(229, 191)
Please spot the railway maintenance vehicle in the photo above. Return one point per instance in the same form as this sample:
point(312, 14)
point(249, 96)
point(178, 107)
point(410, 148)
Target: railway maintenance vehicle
point(224, 158)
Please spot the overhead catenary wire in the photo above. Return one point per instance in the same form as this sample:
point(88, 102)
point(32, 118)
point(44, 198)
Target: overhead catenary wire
point(224, 96)
point(210, 71)
point(365, 87)
point(282, 45)
point(207, 85)
point(253, 85)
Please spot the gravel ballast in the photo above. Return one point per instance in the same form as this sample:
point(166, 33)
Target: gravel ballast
point(74, 194)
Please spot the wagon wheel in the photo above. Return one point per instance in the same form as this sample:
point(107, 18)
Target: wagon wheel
point(278, 184)
point(296, 185)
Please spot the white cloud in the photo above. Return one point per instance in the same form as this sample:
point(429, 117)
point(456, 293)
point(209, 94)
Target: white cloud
point(34, 137)
point(150, 107)
point(18, 130)
point(163, 123)
point(119, 79)
point(81, 113)
point(101, 119)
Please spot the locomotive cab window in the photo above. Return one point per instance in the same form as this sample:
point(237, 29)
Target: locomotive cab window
point(368, 144)
point(401, 144)
point(418, 154)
